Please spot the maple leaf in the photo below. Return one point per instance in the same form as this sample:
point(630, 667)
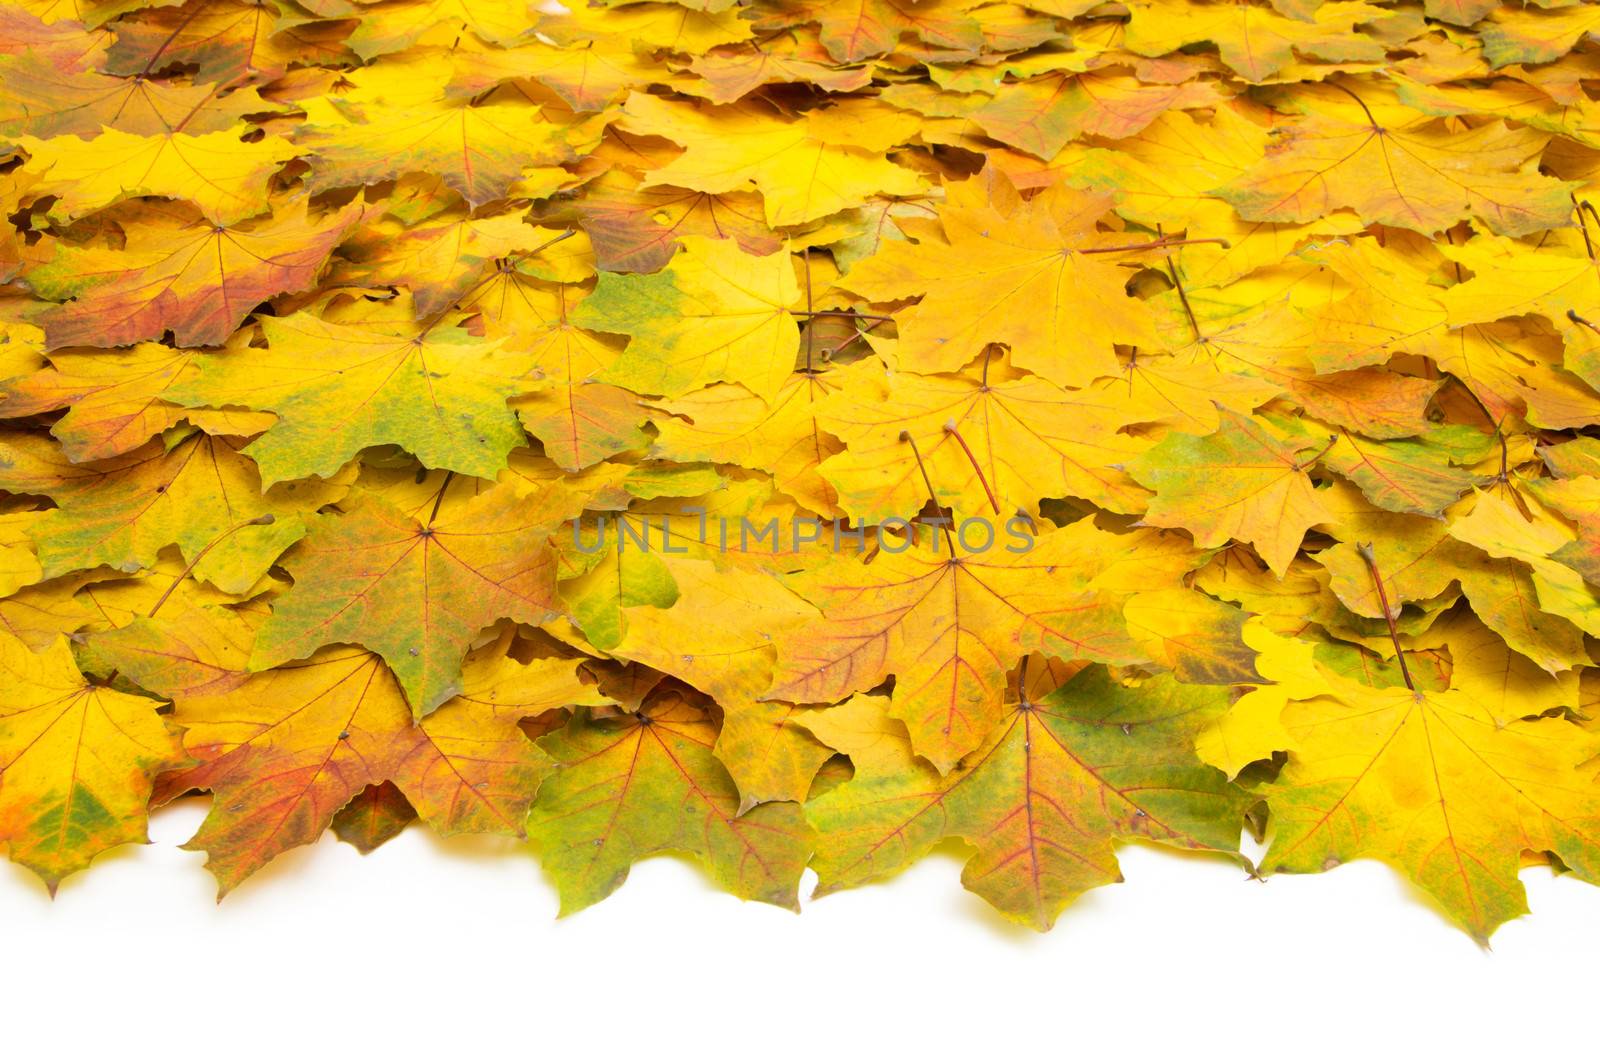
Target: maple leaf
point(585, 78)
point(1475, 791)
point(691, 28)
point(1533, 36)
point(113, 400)
point(184, 275)
point(415, 592)
point(1240, 483)
point(730, 652)
point(375, 816)
point(714, 313)
point(478, 151)
point(224, 175)
point(1196, 637)
point(989, 432)
point(44, 100)
point(1042, 115)
point(441, 263)
point(860, 29)
point(1507, 280)
point(1256, 42)
point(769, 753)
point(1165, 174)
point(76, 761)
point(337, 388)
point(730, 424)
point(1045, 801)
point(1418, 176)
point(284, 750)
point(804, 169)
point(223, 40)
point(392, 29)
point(734, 71)
point(947, 626)
point(637, 228)
point(579, 419)
point(648, 783)
point(194, 491)
point(1009, 272)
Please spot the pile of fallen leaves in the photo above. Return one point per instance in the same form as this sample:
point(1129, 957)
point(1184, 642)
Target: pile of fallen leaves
point(802, 432)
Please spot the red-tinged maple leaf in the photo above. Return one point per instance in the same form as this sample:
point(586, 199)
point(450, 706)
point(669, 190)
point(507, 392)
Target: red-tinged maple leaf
point(181, 274)
point(284, 750)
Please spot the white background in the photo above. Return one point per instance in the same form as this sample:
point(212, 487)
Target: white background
point(451, 949)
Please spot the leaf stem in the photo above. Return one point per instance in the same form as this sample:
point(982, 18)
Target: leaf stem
point(840, 313)
point(806, 253)
point(1307, 465)
point(547, 244)
point(439, 498)
point(1585, 206)
point(1183, 296)
point(266, 519)
point(1155, 244)
point(952, 431)
point(1572, 315)
point(1583, 225)
point(1366, 553)
point(1359, 102)
point(905, 436)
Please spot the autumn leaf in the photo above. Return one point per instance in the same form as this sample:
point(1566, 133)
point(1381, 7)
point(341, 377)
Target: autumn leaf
point(1017, 273)
point(1196, 637)
point(180, 274)
point(988, 432)
point(441, 395)
point(283, 751)
point(46, 101)
point(947, 624)
point(1255, 41)
point(224, 176)
point(375, 816)
point(113, 400)
point(769, 752)
point(1058, 784)
point(391, 30)
point(1041, 115)
point(1475, 791)
point(636, 228)
point(734, 71)
point(76, 761)
point(224, 40)
point(416, 592)
point(860, 29)
point(714, 313)
point(735, 148)
point(1418, 177)
point(1242, 482)
point(647, 783)
point(192, 490)
point(586, 79)
point(478, 151)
